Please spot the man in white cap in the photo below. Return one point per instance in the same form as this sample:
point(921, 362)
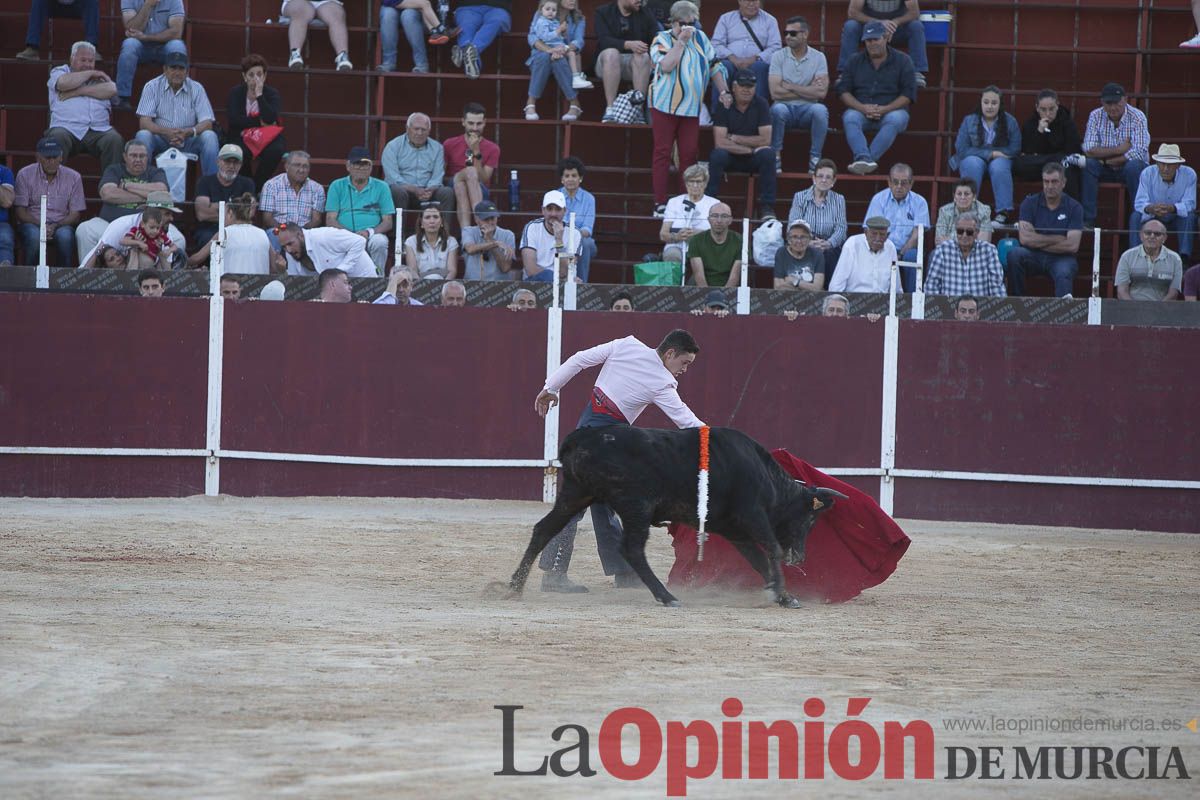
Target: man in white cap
point(312, 251)
point(547, 241)
point(1166, 192)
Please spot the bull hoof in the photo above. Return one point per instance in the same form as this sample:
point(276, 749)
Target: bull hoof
point(502, 591)
point(672, 603)
point(787, 601)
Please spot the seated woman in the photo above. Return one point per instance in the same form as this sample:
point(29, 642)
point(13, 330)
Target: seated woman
point(825, 210)
point(301, 13)
point(432, 252)
point(965, 201)
point(686, 214)
point(549, 56)
point(107, 257)
point(988, 140)
point(253, 104)
point(247, 248)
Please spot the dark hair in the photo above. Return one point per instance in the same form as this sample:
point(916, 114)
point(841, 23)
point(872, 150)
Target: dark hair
point(678, 340)
point(968, 297)
point(621, 296)
point(230, 278)
point(253, 60)
point(148, 275)
point(572, 16)
point(98, 262)
point(443, 234)
point(796, 18)
point(571, 162)
point(969, 183)
point(1056, 168)
point(155, 214)
point(1001, 140)
point(1044, 93)
point(328, 276)
point(827, 162)
point(242, 207)
point(474, 108)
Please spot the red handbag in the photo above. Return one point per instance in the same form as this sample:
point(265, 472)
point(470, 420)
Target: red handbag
point(257, 139)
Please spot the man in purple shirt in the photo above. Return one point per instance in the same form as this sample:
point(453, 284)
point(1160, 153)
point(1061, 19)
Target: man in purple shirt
point(63, 188)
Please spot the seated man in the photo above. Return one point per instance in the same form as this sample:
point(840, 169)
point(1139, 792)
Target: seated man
point(124, 188)
point(582, 204)
point(174, 112)
point(901, 20)
point(150, 283)
point(489, 250)
point(1191, 283)
point(865, 264)
point(747, 39)
point(363, 205)
point(40, 12)
point(877, 88)
point(1117, 146)
point(966, 309)
point(523, 300)
point(63, 188)
point(414, 166)
point(399, 289)
point(211, 190)
point(905, 210)
point(797, 265)
point(1050, 229)
point(80, 109)
point(742, 142)
point(292, 197)
point(333, 286)
point(546, 242)
point(454, 294)
point(153, 31)
point(315, 250)
point(624, 31)
point(965, 264)
point(110, 237)
point(1166, 192)
point(623, 301)
point(7, 194)
point(471, 160)
point(1151, 271)
point(799, 81)
point(715, 255)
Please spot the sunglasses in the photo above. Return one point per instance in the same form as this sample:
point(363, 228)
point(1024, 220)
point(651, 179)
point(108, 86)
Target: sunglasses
point(794, 33)
point(964, 231)
point(1153, 233)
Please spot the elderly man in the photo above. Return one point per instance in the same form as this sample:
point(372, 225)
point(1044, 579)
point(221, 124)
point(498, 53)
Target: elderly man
point(1166, 192)
point(119, 227)
point(309, 252)
point(454, 294)
point(523, 300)
point(901, 20)
point(471, 160)
point(799, 81)
point(153, 31)
point(742, 142)
point(877, 88)
point(964, 264)
point(715, 255)
point(414, 166)
point(582, 204)
point(747, 39)
point(624, 30)
point(63, 188)
point(212, 190)
point(905, 210)
point(1050, 229)
point(399, 289)
point(124, 187)
point(1117, 146)
point(292, 197)
point(488, 248)
point(80, 109)
point(362, 204)
point(835, 305)
point(174, 112)
point(966, 309)
point(546, 241)
point(1150, 271)
point(40, 12)
point(865, 264)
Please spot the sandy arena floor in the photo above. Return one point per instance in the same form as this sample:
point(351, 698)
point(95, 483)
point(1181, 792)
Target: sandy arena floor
point(322, 648)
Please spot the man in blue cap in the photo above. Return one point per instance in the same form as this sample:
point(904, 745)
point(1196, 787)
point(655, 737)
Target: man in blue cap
point(877, 88)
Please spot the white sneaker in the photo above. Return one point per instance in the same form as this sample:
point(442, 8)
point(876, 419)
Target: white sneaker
point(342, 62)
point(580, 81)
point(860, 166)
point(1076, 160)
point(1192, 43)
point(295, 60)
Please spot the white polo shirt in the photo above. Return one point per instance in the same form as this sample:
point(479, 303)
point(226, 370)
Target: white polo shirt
point(860, 270)
point(334, 248)
point(536, 237)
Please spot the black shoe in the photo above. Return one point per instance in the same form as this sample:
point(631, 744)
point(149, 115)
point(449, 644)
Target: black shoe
point(1002, 217)
point(628, 580)
point(122, 104)
point(559, 582)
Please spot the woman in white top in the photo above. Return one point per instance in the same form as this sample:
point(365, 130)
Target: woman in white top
point(432, 252)
point(687, 214)
point(247, 248)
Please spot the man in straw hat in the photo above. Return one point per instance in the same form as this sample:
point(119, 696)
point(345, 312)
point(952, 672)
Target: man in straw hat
point(1166, 192)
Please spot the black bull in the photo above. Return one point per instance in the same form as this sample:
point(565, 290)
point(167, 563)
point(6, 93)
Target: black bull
point(650, 476)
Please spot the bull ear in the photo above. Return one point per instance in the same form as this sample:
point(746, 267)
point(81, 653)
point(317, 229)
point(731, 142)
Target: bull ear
point(823, 497)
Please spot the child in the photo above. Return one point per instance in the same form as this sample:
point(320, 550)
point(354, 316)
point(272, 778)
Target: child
point(437, 28)
point(549, 56)
point(148, 243)
point(576, 25)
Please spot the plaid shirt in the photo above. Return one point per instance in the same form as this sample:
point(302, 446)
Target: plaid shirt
point(979, 273)
point(290, 206)
point(1133, 126)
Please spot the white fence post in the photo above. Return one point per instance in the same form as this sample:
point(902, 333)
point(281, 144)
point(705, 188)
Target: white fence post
point(550, 443)
point(1094, 298)
point(743, 292)
point(216, 359)
point(918, 298)
point(569, 288)
point(43, 269)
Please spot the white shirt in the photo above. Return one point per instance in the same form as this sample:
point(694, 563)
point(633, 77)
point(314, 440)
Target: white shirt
point(247, 250)
point(536, 237)
point(633, 377)
point(389, 299)
point(680, 217)
point(114, 233)
point(860, 270)
point(331, 248)
point(431, 261)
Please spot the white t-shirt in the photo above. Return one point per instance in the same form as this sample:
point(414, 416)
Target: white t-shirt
point(680, 216)
point(536, 237)
point(247, 250)
point(860, 270)
point(431, 263)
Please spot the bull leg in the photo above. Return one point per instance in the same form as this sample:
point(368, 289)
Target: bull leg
point(569, 504)
point(633, 548)
point(762, 533)
point(754, 555)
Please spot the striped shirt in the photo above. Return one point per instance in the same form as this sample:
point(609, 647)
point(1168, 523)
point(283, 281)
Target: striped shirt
point(64, 194)
point(1101, 132)
point(183, 109)
point(288, 205)
point(681, 91)
point(828, 219)
point(979, 273)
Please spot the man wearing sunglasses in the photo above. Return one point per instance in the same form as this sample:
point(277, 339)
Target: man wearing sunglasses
point(799, 81)
point(965, 265)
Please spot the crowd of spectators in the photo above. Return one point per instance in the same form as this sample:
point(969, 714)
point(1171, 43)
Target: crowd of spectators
point(754, 80)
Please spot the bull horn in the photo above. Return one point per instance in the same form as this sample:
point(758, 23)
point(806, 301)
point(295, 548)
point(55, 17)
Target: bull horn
point(823, 492)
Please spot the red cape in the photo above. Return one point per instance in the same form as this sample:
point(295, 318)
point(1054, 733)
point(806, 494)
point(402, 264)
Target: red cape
point(853, 546)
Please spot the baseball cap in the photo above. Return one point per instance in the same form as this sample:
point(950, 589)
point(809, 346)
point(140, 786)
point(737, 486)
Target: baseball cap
point(716, 299)
point(745, 77)
point(360, 153)
point(799, 223)
point(1111, 92)
point(230, 151)
point(873, 30)
point(176, 59)
point(486, 209)
point(878, 223)
point(554, 198)
point(49, 147)
point(162, 200)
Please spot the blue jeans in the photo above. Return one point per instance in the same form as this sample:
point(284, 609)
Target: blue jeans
point(7, 242)
point(42, 10)
point(1061, 267)
point(391, 20)
point(912, 34)
point(134, 52)
point(1128, 173)
point(480, 25)
point(586, 254)
point(999, 170)
point(785, 116)
point(761, 163)
point(908, 275)
point(206, 145)
point(1182, 227)
point(64, 242)
point(857, 125)
point(541, 67)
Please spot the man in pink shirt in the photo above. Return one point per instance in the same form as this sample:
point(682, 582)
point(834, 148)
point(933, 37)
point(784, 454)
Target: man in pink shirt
point(632, 377)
